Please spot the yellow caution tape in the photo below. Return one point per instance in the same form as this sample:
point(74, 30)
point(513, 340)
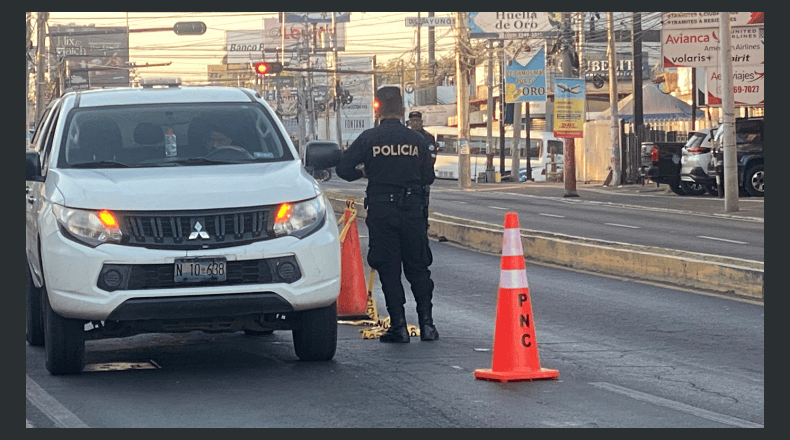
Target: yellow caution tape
point(351, 207)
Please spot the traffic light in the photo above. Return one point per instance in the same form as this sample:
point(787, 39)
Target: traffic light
point(267, 67)
point(189, 28)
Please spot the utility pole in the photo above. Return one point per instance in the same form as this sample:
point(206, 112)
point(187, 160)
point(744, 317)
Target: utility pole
point(41, 61)
point(338, 103)
point(462, 92)
point(490, 114)
point(28, 44)
point(431, 50)
point(515, 153)
point(636, 80)
point(615, 122)
point(569, 146)
point(417, 64)
point(728, 116)
point(502, 110)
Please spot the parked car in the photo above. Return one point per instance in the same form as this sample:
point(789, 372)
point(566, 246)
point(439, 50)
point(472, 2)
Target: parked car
point(660, 162)
point(137, 223)
point(749, 136)
point(695, 163)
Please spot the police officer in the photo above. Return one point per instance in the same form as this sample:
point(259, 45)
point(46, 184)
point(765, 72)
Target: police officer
point(416, 124)
point(397, 164)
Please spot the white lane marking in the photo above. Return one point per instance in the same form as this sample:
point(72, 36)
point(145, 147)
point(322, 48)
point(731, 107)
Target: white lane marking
point(56, 412)
point(497, 207)
point(722, 239)
point(551, 215)
point(682, 407)
point(622, 226)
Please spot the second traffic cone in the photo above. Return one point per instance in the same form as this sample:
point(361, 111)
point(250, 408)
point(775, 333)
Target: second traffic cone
point(353, 299)
point(515, 352)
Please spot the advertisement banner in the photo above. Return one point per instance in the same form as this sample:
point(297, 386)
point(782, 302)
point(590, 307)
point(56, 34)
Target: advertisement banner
point(526, 82)
point(99, 60)
point(357, 115)
point(511, 24)
point(250, 45)
point(707, 20)
point(748, 85)
point(700, 47)
point(568, 107)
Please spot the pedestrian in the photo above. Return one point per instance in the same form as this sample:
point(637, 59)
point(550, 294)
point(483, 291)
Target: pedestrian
point(397, 164)
point(416, 124)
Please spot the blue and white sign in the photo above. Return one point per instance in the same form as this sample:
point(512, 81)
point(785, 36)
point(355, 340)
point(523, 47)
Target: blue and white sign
point(526, 82)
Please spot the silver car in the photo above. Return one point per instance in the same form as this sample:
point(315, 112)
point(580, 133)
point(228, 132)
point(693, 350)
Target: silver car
point(696, 170)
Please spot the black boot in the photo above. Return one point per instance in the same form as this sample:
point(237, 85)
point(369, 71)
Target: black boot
point(428, 331)
point(398, 331)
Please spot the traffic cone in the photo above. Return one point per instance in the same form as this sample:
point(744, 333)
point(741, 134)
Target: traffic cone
point(515, 352)
point(353, 298)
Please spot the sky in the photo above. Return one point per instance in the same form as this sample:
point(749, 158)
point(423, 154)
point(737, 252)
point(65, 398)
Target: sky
point(383, 34)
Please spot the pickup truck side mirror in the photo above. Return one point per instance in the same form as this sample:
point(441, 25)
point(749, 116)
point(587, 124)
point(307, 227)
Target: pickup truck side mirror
point(320, 155)
point(33, 166)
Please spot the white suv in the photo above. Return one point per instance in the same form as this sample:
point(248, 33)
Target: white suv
point(160, 209)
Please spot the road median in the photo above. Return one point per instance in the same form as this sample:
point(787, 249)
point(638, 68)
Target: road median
point(734, 277)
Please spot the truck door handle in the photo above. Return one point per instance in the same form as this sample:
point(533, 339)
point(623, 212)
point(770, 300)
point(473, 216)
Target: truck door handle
point(31, 200)
point(27, 190)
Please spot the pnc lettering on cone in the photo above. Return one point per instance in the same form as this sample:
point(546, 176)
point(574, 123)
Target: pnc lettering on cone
point(515, 352)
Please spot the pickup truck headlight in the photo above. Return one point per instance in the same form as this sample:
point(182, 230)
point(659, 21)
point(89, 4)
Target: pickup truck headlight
point(89, 227)
point(300, 218)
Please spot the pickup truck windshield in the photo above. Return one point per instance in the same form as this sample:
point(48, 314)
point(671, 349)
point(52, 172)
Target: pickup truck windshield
point(172, 134)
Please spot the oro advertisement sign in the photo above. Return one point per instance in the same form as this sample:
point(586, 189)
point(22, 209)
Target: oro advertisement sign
point(526, 82)
point(568, 107)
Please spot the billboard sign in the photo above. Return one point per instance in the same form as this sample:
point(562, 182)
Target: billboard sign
point(97, 60)
point(511, 24)
point(707, 20)
point(700, 48)
point(316, 17)
point(748, 85)
point(358, 115)
point(569, 107)
point(526, 82)
point(249, 45)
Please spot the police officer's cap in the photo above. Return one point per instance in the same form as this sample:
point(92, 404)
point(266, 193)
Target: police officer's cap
point(415, 114)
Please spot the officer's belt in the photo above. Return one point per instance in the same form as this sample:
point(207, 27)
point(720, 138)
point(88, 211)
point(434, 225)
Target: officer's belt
point(397, 196)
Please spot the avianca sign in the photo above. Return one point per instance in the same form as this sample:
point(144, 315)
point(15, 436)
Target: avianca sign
point(700, 47)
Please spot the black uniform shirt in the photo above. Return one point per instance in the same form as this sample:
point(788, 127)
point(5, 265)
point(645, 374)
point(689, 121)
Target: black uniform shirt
point(393, 155)
point(431, 143)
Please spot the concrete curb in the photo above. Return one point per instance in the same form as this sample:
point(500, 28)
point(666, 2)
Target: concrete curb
point(734, 277)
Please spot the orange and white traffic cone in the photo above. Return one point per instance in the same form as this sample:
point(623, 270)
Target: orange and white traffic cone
point(353, 299)
point(515, 352)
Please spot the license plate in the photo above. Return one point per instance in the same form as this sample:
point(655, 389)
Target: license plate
point(190, 270)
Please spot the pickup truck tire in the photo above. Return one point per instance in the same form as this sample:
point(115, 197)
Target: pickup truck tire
point(676, 187)
point(692, 189)
point(34, 322)
point(64, 341)
point(754, 181)
point(315, 338)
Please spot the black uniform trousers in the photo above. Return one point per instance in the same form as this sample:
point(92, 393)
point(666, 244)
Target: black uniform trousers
point(399, 239)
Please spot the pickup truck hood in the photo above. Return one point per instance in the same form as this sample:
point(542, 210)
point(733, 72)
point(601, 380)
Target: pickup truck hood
point(184, 187)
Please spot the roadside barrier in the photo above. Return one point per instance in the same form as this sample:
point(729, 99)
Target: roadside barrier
point(515, 352)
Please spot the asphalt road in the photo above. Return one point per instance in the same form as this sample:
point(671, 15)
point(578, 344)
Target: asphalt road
point(628, 355)
point(645, 215)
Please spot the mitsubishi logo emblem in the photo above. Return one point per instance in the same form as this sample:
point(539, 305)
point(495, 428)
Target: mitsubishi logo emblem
point(198, 232)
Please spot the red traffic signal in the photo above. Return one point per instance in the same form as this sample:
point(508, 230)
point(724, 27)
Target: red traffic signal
point(267, 68)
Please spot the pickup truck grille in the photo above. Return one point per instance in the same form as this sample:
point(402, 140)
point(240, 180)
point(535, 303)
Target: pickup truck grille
point(196, 229)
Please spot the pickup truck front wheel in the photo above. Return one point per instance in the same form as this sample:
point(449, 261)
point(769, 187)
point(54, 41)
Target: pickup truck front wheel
point(64, 341)
point(754, 181)
point(315, 337)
